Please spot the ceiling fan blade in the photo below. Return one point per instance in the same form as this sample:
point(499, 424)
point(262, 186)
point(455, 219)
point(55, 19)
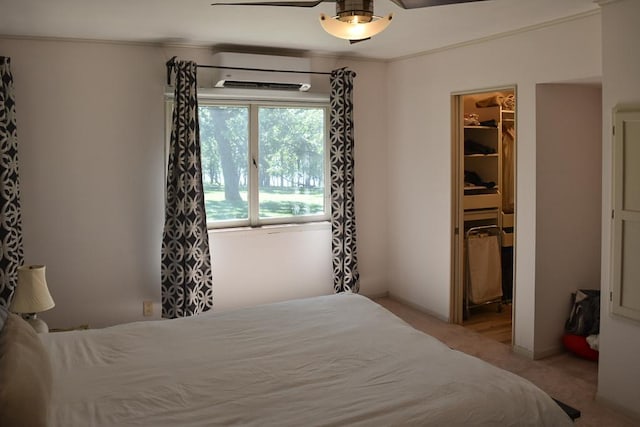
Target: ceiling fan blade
point(416, 4)
point(359, 40)
point(313, 3)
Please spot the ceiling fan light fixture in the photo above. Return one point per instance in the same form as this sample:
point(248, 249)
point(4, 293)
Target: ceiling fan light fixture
point(357, 28)
point(355, 17)
point(354, 11)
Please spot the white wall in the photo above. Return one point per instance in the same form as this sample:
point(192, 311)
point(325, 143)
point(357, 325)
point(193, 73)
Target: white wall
point(91, 149)
point(619, 370)
point(91, 137)
point(420, 152)
point(568, 204)
point(247, 272)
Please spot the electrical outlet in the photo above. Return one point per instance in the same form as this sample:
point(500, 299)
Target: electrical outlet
point(147, 308)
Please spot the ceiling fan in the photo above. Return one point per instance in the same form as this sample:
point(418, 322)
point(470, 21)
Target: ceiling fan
point(354, 19)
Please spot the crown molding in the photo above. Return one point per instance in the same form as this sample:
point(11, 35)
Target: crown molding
point(603, 2)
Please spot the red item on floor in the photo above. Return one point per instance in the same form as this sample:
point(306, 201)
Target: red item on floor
point(578, 345)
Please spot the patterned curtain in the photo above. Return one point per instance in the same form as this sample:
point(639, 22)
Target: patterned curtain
point(187, 282)
point(343, 216)
point(11, 251)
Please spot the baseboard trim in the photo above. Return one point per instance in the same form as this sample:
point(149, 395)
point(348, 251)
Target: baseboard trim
point(634, 415)
point(417, 307)
point(378, 295)
point(541, 354)
point(523, 352)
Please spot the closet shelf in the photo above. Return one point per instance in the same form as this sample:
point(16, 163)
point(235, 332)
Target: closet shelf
point(481, 201)
point(480, 187)
point(481, 155)
point(479, 190)
point(481, 127)
point(480, 214)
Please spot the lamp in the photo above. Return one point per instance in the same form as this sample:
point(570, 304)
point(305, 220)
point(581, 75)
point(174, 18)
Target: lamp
point(32, 296)
point(354, 20)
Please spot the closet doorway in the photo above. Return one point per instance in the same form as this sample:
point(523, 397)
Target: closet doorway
point(483, 211)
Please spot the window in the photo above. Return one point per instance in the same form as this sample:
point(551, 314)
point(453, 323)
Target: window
point(263, 163)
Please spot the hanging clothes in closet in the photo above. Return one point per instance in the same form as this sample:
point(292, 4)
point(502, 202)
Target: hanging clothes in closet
point(508, 179)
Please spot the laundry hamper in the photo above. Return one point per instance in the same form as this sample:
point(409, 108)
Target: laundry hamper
point(484, 269)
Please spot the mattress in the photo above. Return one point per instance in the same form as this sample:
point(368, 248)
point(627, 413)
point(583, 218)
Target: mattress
point(325, 361)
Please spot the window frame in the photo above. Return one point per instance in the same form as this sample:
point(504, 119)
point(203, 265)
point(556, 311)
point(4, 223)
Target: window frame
point(254, 101)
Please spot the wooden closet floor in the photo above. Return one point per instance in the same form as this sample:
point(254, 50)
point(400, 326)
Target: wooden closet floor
point(486, 320)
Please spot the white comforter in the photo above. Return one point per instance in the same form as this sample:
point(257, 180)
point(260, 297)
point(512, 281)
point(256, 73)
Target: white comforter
point(325, 361)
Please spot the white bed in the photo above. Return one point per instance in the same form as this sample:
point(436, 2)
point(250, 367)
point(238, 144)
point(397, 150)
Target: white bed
point(325, 361)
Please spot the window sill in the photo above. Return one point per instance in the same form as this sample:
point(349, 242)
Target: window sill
point(274, 228)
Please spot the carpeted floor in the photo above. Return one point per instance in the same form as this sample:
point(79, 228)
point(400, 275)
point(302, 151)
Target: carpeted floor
point(564, 377)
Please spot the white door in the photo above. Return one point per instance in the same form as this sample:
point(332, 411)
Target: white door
point(625, 296)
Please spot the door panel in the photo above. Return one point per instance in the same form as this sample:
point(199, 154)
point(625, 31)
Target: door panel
point(625, 293)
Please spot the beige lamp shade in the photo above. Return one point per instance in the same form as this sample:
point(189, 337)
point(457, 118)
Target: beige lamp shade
point(31, 294)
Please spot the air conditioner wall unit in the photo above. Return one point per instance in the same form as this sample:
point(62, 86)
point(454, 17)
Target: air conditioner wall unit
point(249, 79)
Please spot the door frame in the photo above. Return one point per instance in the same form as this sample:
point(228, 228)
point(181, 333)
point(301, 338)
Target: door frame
point(456, 309)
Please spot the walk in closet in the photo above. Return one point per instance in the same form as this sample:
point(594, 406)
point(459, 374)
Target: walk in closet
point(484, 143)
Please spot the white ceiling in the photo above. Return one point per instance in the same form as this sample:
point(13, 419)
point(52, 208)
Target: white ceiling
point(195, 22)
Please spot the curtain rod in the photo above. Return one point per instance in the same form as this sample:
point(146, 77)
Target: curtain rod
point(171, 63)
